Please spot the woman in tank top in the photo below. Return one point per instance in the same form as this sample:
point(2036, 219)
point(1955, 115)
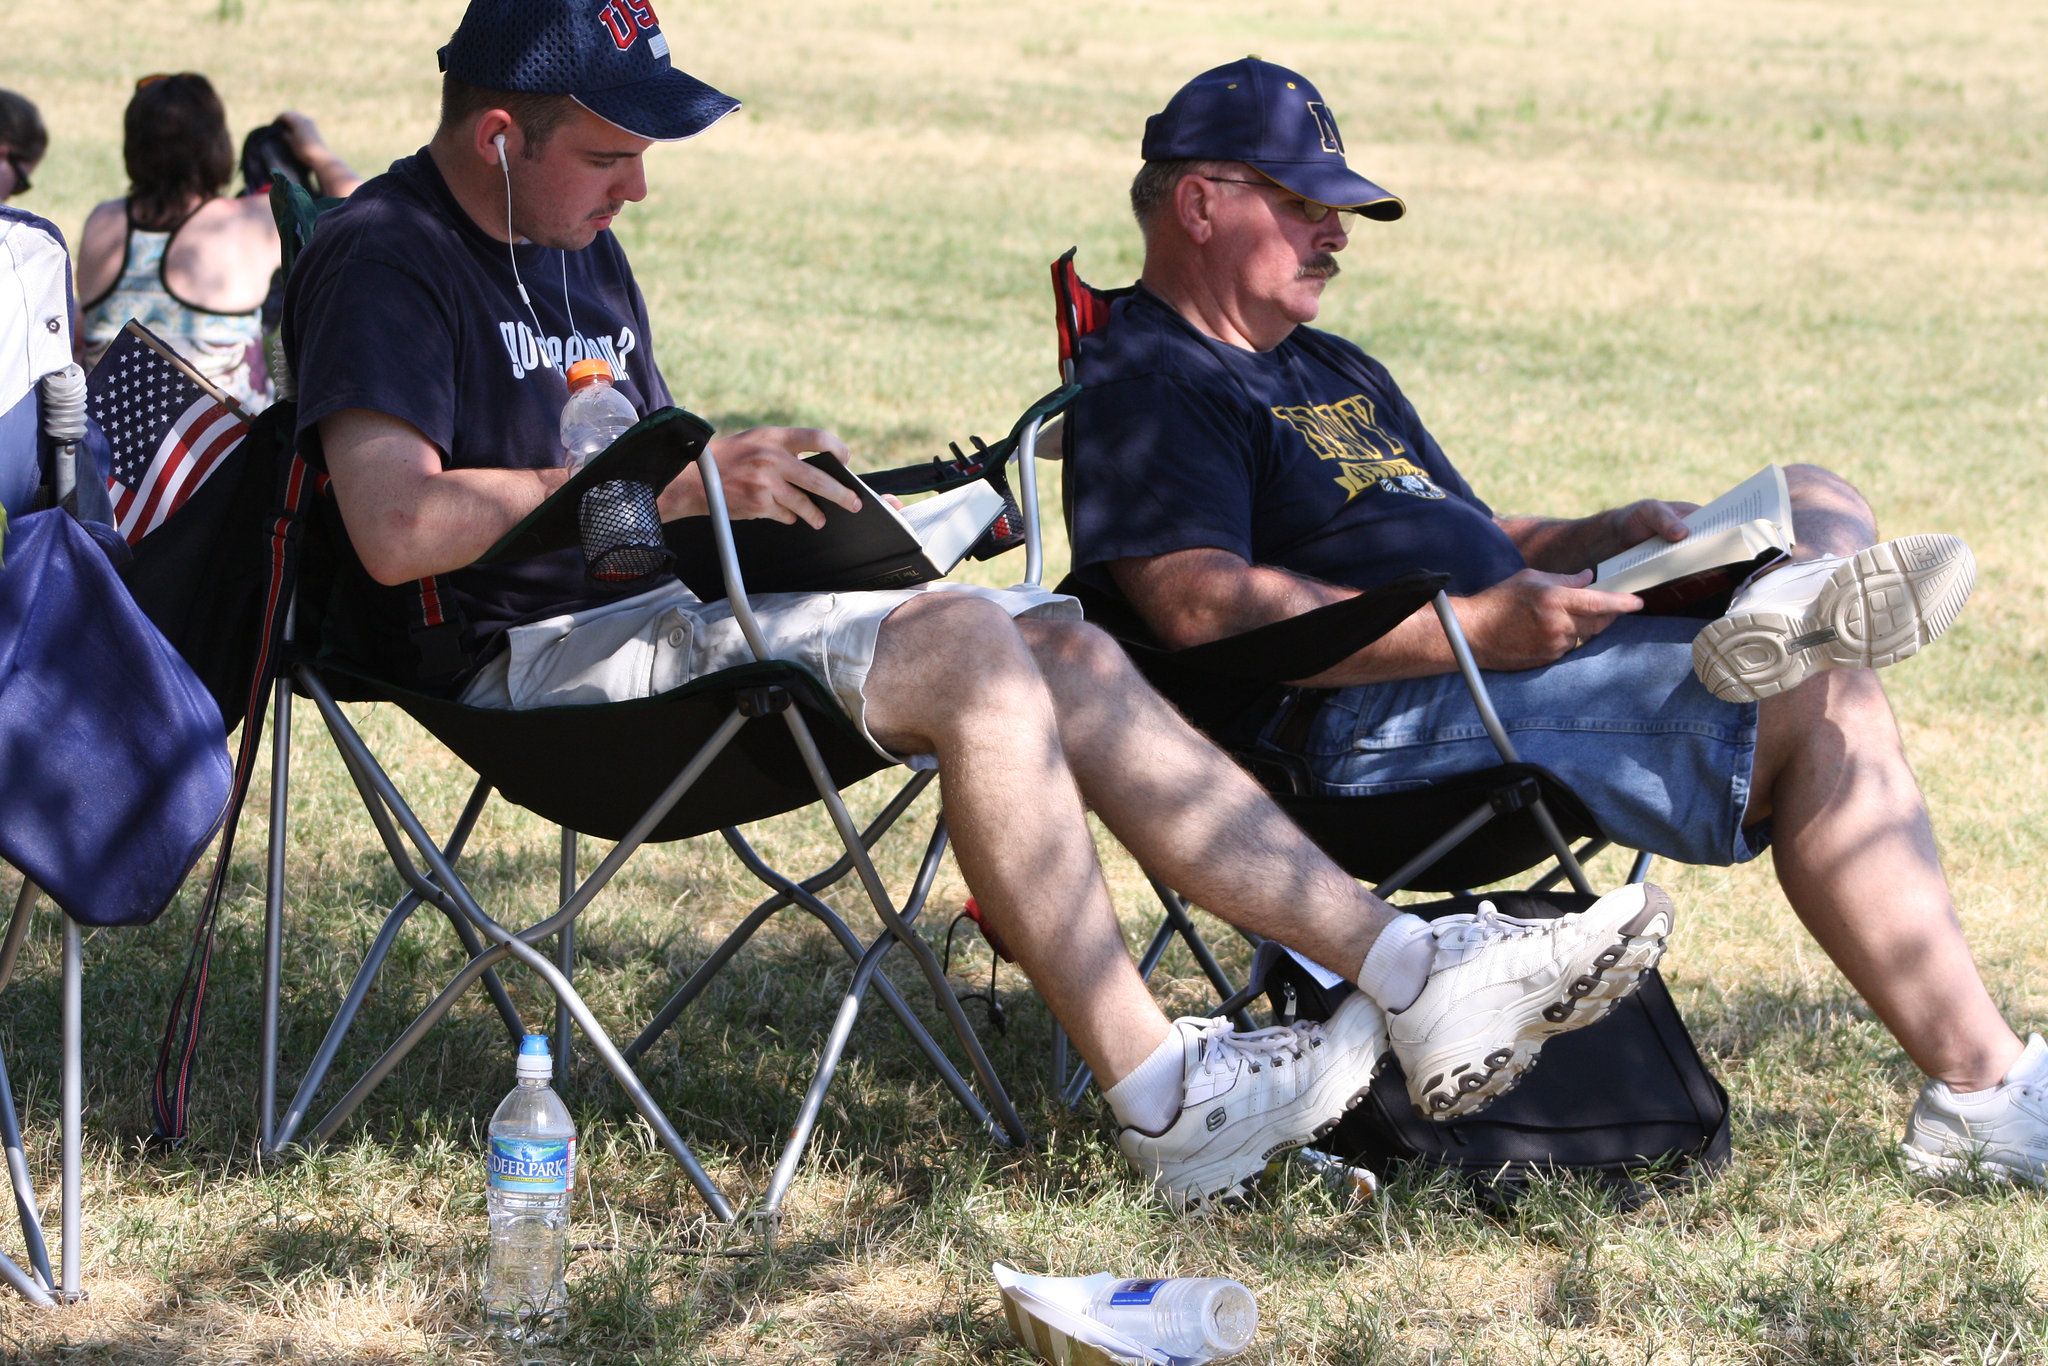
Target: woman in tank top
point(191, 266)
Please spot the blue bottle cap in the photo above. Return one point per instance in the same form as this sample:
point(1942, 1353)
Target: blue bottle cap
point(534, 1058)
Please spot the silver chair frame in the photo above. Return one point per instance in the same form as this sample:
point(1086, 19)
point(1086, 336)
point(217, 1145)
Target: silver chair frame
point(438, 884)
point(38, 1285)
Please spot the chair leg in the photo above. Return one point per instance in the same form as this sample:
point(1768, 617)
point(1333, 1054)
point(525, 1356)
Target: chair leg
point(273, 914)
point(565, 958)
point(927, 961)
point(1582, 857)
point(337, 1029)
point(283, 1132)
point(24, 1192)
point(17, 929)
point(857, 952)
point(1639, 871)
point(72, 1106)
point(398, 826)
point(680, 999)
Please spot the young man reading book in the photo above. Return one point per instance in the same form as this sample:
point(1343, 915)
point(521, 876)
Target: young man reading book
point(1232, 466)
point(407, 329)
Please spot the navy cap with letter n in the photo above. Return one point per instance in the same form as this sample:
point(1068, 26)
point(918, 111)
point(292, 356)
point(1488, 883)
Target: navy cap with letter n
point(1273, 121)
point(611, 55)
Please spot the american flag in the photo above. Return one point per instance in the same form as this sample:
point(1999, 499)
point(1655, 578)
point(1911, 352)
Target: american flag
point(168, 428)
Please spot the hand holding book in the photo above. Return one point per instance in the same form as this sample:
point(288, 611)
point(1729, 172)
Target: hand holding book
point(1744, 530)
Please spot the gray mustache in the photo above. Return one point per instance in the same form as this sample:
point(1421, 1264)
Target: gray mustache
point(1322, 266)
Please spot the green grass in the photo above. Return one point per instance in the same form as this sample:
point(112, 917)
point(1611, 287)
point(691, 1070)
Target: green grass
point(1649, 248)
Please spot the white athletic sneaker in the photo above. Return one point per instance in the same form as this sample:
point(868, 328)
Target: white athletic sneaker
point(1249, 1096)
point(1500, 986)
point(2000, 1132)
point(1865, 611)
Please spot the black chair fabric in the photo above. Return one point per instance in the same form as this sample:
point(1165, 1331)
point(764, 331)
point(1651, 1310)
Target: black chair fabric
point(596, 769)
point(1371, 837)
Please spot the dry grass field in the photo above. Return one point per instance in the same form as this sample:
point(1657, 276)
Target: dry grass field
point(1650, 246)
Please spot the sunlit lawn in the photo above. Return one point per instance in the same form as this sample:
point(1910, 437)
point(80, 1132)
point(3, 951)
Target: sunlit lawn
point(1650, 247)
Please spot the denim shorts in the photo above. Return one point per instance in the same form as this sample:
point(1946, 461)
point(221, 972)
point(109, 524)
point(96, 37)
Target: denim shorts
point(1662, 763)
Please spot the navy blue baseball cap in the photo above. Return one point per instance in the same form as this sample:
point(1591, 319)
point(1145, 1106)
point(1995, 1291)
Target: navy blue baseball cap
point(611, 55)
point(1273, 121)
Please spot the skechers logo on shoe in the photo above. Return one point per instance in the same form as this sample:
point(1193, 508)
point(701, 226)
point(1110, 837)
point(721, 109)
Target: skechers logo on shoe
point(1215, 1119)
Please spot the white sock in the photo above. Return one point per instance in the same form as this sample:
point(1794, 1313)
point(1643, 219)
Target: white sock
point(1397, 967)
point(1149, 1098)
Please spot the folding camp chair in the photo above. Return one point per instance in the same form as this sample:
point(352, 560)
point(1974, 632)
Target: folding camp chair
point(670, 766)
point(114, 779)
point(1479, 828)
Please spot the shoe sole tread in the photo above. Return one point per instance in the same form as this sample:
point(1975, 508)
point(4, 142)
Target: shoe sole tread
point(1634, 949)
point(1883, 606)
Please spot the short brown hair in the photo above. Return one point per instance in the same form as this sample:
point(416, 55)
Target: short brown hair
point(176, 146)
point(538, 116)
point(1156, 181)
point(21, 127)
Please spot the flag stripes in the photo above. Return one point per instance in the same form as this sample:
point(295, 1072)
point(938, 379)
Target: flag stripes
point(167, 429)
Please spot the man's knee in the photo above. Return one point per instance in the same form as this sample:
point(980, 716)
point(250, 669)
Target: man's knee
point(1077, 651)
point(949, 644)
point(1820, 489)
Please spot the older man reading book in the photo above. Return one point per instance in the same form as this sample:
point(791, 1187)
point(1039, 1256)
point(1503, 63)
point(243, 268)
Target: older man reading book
point(1233, 466)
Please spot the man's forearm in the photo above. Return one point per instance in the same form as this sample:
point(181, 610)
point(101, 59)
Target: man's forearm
point(407, 517)
point(456, 517)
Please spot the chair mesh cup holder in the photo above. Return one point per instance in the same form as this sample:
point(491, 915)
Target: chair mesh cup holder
point(621, 532)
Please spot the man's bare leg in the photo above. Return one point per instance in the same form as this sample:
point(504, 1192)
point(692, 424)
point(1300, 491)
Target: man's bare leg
point(1191, 816)
point(1853, 846)
point(952, 678)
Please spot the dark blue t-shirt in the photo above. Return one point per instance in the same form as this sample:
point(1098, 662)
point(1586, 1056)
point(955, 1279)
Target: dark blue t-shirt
point(1305, 457)
point(402, 305)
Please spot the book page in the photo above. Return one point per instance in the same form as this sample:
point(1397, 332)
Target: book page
point(1762, 497)
point(948, 524)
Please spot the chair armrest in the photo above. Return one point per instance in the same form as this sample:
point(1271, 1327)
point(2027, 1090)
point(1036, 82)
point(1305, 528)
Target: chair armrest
point(1299, 647)
point(653, 451)
point(939, 474)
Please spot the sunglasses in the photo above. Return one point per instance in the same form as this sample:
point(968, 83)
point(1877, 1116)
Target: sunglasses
point(21, 185)
point(1310, 210)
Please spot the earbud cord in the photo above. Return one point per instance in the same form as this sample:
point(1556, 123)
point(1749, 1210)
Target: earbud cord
point(540, 334)
point(567, 307)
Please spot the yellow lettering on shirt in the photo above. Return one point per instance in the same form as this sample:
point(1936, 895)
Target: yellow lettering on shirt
point(1367, 454)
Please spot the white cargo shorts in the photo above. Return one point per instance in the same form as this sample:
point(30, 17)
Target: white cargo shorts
point(663, 638)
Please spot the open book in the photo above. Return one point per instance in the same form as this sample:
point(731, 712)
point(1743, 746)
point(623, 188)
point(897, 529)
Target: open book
point(877, 547)
point(1744, 530)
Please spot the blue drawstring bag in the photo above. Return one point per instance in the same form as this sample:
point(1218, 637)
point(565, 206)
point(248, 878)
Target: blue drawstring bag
point(113, 774)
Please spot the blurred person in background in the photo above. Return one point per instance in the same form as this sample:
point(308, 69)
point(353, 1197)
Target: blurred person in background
point(192, 265)
point(23, 140)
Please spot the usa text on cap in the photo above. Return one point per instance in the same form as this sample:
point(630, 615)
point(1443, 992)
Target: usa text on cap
point(611, 55)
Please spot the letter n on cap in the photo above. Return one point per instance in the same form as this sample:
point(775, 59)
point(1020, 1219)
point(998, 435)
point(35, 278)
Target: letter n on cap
point(1326, 124)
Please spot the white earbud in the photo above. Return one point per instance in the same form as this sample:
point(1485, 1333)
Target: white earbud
point(505, 165)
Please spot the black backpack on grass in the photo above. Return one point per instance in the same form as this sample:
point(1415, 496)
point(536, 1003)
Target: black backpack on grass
point(1622, 1101)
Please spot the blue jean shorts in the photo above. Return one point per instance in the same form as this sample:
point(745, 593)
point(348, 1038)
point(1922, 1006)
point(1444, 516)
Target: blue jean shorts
point(1662, 763)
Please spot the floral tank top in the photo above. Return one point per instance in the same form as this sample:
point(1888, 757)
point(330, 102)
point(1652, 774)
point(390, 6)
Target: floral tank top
point(227, 348)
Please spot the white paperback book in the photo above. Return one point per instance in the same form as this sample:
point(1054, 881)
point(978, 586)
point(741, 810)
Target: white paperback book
point(1752, 522)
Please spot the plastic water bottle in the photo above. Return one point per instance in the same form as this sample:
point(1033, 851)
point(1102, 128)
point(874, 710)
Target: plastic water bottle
point(596, 414)
point(1194, 1318)
point(532, 1170)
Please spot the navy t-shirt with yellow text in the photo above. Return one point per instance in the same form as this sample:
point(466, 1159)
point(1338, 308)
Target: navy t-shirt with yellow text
point(1306, 457)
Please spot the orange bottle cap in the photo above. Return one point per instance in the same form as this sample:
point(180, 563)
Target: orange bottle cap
point(583, 371)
